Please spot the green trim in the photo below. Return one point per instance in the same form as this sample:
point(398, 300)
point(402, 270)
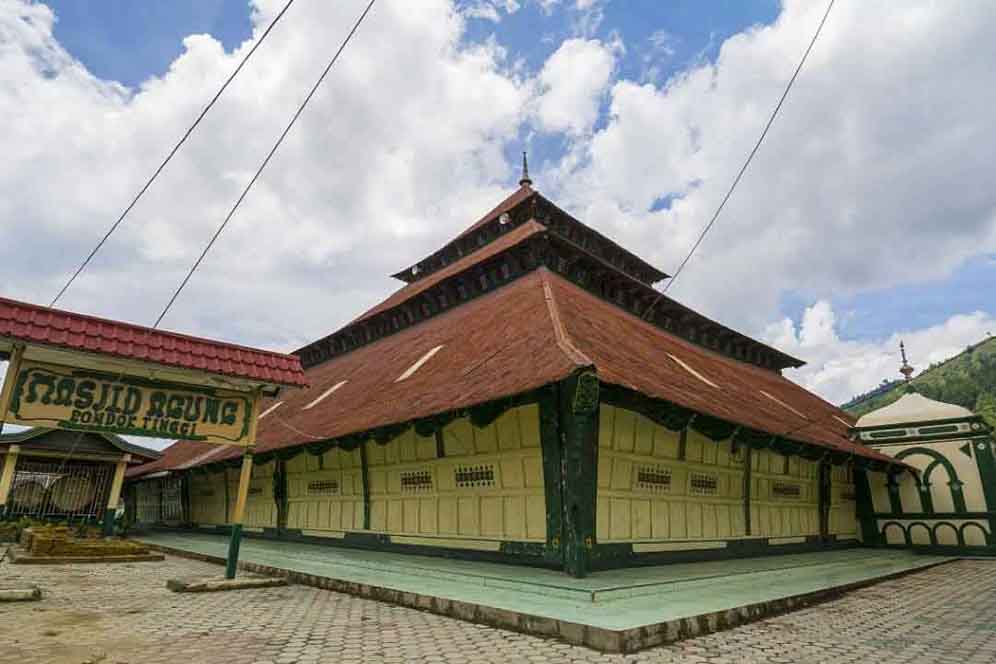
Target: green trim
point(365, 483)
point(618, 555)
point(748, 474)
point(987, 472)
point(954, 482)
point(234, 541)
point(865, 507)
point(924, 423)
point(281, 493)
point(958, 516)
point(964, 435)
point(549, 427)
point(580, 463)
point(108, 526)
point(825, 488)
point(892, 484)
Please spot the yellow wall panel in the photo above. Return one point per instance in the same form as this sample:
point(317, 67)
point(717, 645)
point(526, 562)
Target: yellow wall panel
point(488, 485)
point(645, 493)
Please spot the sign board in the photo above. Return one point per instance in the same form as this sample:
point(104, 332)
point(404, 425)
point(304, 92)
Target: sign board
point(50, 395)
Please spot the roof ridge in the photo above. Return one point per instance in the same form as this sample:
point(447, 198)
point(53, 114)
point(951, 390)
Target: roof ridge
point(564, 341)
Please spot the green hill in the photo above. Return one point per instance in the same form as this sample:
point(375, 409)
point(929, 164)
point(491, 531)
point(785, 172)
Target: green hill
point(967, 379)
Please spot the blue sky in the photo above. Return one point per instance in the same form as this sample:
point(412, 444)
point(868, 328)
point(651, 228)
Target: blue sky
point(867, 212)
point(130, 41)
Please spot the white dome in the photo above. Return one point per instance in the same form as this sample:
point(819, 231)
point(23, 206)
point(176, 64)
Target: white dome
point(913, 407)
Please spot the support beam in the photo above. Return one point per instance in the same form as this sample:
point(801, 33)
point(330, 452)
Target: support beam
point(13, 366)
point(748, 475)
point(240, 509)
point(7, 477)
point(115, 496)
point(579, 401)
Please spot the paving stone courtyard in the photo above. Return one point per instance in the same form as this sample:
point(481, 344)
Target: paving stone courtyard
point(123, 614)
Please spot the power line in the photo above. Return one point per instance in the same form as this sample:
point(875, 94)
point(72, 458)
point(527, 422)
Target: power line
point(169, 156)
point(276, 145)
point(743, 168)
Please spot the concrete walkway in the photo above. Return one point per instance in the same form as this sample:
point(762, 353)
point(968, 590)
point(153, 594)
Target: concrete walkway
point(619, 610)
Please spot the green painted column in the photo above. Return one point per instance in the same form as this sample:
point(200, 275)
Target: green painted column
point(865, 508)
point(983, 449)
point(235, 540)
point(365, 482)
point(825, 489)
point(579, 399)
point(280, 494)
point(549, 414)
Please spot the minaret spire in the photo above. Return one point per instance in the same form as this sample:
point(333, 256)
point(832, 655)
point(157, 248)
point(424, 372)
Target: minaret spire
point(525, 181)
point(906, 369)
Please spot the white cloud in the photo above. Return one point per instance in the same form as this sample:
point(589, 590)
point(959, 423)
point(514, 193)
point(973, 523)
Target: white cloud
point(490, 10)
point(876, 172)
point(401, 147)
point(839, 369)
point(572, 83)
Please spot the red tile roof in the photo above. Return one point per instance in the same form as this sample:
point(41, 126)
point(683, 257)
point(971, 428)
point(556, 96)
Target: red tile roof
point(179, 455)
point(531, 332)
point(53, 327)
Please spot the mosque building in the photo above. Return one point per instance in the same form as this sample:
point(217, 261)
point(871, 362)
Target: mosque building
point(948, 502)
point(528, 396)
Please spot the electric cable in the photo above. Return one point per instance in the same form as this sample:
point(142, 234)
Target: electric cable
point(169, 156)
point(743, 168)
point(262, 166)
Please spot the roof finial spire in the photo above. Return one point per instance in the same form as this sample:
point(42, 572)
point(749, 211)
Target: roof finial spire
point(906, 369)
point(525, 181)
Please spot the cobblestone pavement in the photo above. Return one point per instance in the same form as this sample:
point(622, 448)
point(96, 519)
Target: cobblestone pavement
point(123, 614)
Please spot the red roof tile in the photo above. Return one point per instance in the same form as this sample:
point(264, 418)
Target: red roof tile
point(63, 329)
point(531, 332)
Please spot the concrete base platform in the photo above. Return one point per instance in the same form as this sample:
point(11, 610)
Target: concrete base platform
point(212, 584)
point(19, 556)
point(20, 594)
point(613, 611)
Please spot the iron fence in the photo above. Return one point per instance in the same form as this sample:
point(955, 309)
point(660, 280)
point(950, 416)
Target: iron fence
point(72, 491)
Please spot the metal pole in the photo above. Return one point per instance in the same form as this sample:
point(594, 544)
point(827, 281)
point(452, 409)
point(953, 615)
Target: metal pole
point(240, 507)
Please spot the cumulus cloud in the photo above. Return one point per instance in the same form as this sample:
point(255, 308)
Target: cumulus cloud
point(386, 161)
point(839, 369)
point(572, 83)
point(875, 173)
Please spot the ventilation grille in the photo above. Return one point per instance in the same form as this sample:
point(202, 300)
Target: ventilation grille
point(255, 491)
point(474, 476)
point(416, 480)
point(653, 478)
point(703, 484)
point(783, 490)
point(323, 487)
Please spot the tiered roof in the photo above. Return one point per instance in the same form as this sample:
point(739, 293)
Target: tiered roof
point(524, 298)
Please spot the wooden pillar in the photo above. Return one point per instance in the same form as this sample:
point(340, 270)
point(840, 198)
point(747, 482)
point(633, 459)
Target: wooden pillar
point(240, 508)
point(13, 365)
point(115, 497)
point(825, 497)
point(7, 478)
point(579, 399)
point(748, 480)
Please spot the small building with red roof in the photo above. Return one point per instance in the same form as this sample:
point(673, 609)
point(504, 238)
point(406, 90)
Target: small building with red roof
point(528, 396)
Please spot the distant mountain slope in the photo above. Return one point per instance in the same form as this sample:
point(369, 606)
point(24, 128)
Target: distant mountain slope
point(967, 379)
